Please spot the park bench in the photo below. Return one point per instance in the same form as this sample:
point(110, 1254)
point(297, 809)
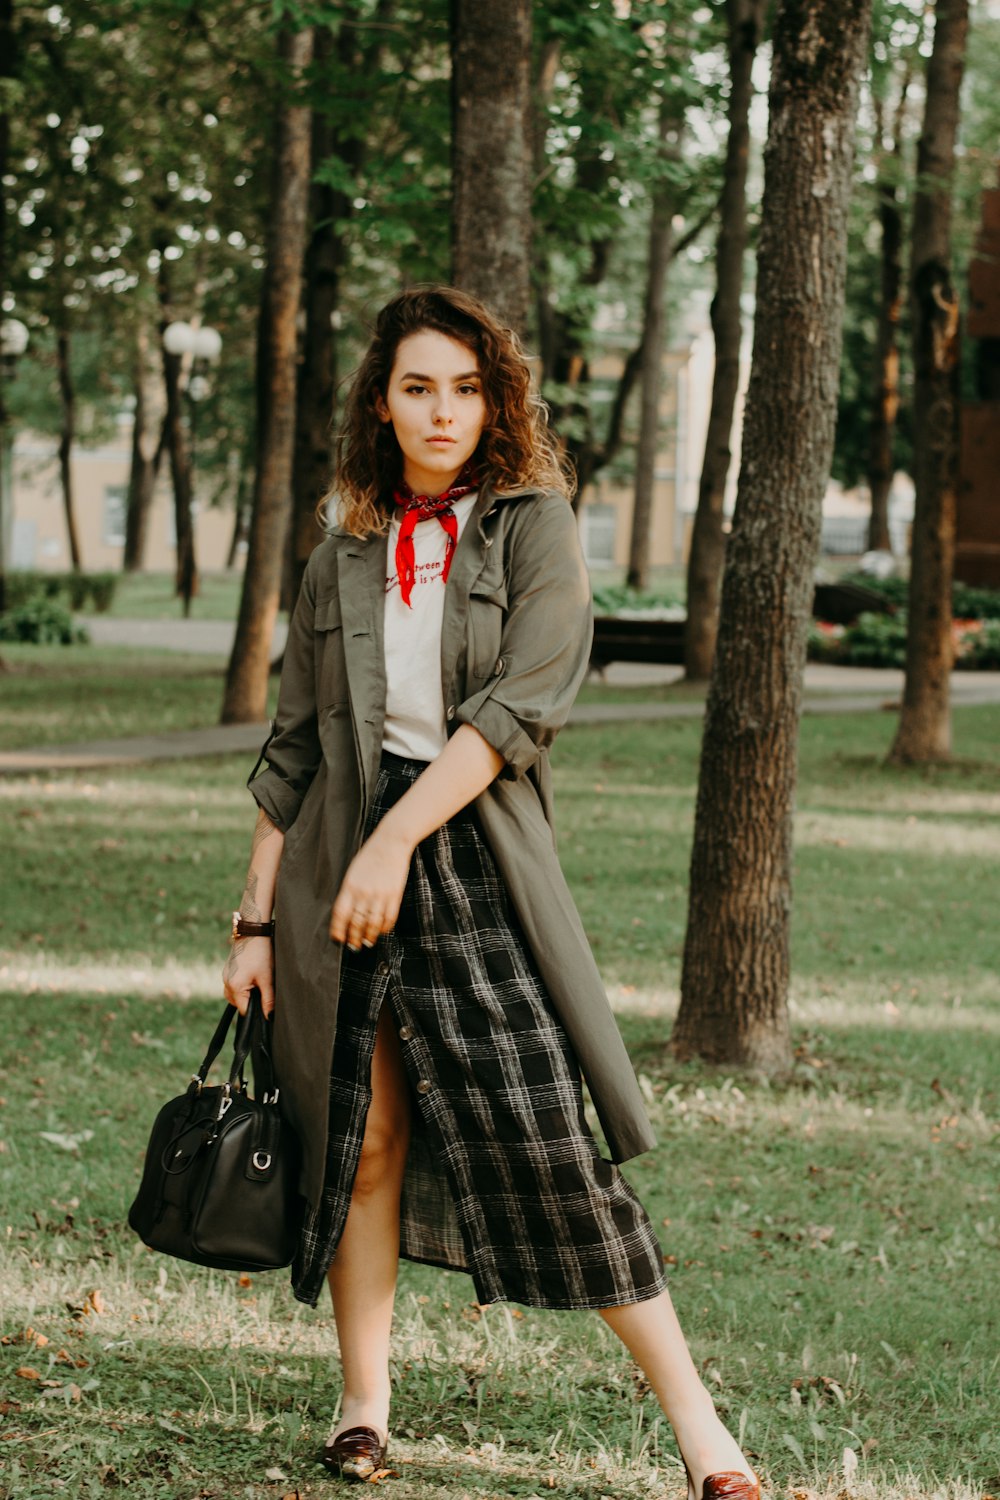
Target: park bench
point(651, 639)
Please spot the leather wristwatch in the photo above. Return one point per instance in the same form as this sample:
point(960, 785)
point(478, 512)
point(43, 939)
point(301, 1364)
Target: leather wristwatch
point(244, 928)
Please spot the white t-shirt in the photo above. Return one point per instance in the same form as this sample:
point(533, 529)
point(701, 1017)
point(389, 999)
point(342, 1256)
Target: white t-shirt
point(414, 702)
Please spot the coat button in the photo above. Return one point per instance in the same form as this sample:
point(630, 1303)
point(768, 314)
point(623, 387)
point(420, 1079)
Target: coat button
point(499, 667)
point(406, 1033)
point(489, 541)
point(450, 713)
point(424, 1086)
point(383, 967)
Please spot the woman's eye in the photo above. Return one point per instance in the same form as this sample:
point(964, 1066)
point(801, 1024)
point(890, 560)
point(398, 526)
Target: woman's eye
point(469, 390)
point(414, 390)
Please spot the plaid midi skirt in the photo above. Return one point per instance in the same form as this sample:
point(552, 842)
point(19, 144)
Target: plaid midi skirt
point(503, 1179)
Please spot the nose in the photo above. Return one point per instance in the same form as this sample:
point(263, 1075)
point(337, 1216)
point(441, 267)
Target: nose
point(442, 409)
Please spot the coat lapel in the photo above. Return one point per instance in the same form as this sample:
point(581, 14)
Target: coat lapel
point(361, 568)
point(467, 564)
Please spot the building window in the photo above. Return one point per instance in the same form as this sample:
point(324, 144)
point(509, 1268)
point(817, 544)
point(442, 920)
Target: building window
point(597, 526)
point(115, 496)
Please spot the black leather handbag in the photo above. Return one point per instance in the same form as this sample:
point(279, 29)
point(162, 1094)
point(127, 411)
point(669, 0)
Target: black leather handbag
point(220, 1182)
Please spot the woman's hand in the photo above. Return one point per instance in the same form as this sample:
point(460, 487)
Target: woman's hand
point(250, 963)
point(369, 899)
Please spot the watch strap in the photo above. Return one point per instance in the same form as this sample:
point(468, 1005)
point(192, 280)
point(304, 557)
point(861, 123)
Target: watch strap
point(243, 927)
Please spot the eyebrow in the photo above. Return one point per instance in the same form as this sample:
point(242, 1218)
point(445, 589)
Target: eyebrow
point(412, 375)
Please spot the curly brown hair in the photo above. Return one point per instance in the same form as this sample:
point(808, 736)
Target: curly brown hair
point(516, 449)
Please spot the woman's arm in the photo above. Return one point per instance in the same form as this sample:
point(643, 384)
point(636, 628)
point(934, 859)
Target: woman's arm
point(251, 960)
point(368, 901)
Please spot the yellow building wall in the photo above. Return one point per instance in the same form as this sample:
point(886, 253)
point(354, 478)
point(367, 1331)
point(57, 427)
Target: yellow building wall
point(38, 537)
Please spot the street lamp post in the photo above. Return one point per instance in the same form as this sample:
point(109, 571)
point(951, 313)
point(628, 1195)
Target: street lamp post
point(13, 342)
point(203, 345)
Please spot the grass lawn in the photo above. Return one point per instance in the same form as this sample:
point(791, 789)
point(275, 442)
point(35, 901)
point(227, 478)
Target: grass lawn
point(54, 695)
point(831, 1236)
point(151, 596)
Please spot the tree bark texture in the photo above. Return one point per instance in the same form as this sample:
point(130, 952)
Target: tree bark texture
point(492, 154)
point(924, 732)
point(67, 432)
point(148, 440)
point(245, 699)
point(885, 404)
point(329, 211)
point(653, 339)
point(8, 72)
point(745, 19)
point(734, 988)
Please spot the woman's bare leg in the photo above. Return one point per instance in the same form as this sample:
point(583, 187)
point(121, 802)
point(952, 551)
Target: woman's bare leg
point(363, 1274)
point(652, 1334)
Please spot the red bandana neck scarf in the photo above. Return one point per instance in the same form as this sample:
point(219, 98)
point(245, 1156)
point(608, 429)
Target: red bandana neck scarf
point(418, 508)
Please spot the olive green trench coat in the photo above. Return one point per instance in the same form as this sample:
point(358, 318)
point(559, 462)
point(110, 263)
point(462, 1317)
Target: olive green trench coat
point(515, 643)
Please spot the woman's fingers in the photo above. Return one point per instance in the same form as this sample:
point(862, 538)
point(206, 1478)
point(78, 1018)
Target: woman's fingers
point(356, 923)
point(250, 963)
point(368, 901)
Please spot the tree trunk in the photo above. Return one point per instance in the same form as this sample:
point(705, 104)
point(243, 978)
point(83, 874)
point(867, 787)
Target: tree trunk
point(924, 732)
point(245, 699)
point(491, 154)
point(734, 988)
point(241, 516)
point(8, 71)
point(885, 406)
point(67, 432)
point(708, 542)
point(653, 338)
point(329, 211)
point(186, 566)
point(149, 436)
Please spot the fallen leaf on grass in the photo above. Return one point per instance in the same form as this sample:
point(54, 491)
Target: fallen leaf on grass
point(95, 1301)
point(275, 1475)
point(67, 1142)
point(65, 1358)
point(29, 1336)
point(25, 1372)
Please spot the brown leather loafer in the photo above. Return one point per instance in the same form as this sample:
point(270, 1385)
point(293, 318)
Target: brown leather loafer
point(730, 1485)
point(359, 1452)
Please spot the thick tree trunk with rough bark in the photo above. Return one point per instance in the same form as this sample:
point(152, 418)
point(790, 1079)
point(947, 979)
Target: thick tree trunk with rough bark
point(885, 405)
point(329, 211)
point(492, 154)
point(745, 19)
point(653, 339)
point(317, 378)
point(148, 441)
point(924, 732)
point(245, 698)
point(734, 988)
point(67, 432)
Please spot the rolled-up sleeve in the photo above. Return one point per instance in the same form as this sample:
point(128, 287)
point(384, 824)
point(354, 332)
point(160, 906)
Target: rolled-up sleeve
point(545, 643)
point(292, 751)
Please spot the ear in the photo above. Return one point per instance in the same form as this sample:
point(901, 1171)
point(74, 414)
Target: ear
point(381, 410)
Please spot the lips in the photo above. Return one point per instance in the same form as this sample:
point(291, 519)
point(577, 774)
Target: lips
point(441, 441)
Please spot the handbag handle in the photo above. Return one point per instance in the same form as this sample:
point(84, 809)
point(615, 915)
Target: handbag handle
point(252, 1040)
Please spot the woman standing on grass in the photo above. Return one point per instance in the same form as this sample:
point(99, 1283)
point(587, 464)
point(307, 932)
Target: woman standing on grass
point(436, 998)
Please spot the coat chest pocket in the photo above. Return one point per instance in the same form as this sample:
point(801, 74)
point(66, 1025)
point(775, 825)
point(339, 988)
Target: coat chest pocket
point(331, 668)
point(487, 617)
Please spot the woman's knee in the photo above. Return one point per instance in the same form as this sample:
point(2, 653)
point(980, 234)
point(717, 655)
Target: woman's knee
point(383, 1154)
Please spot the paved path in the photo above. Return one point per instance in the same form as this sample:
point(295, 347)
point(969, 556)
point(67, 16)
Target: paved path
point(829, 690)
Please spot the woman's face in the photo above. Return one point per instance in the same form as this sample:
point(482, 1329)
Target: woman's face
point(436, 406)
